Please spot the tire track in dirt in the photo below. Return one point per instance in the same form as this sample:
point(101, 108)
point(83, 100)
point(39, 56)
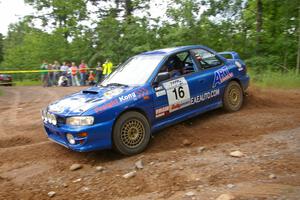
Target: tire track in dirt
point(37, 166)
point(20, 114)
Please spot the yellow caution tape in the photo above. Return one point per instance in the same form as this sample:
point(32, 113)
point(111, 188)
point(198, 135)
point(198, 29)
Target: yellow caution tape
point(32, 71)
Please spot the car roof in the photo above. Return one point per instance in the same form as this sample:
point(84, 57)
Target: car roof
point(172, 50)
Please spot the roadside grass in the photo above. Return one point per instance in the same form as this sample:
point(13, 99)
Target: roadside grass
point(28, 83)
point(275, 79)
point(1, 92)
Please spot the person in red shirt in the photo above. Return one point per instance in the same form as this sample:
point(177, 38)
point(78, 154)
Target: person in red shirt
point(91, 78)
point(74, 71)
point(83, 73)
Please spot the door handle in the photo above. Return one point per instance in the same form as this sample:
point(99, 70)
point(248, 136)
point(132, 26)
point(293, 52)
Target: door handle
point(201, 81)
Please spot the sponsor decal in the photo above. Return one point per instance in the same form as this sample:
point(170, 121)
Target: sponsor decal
point(107, 105)
point(161, 93)
point(162, 111)
point(221, 76)
point(112, 93)
point(205, 96)
point(141, 92)
point(128, 97)
point(175, 107)
point(158, 88)
point(76, 103)
point(175, 83)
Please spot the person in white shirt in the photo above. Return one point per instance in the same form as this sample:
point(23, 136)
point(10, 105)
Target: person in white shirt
point(64, 69)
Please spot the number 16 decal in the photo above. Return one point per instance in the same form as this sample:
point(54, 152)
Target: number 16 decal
point(178, 93)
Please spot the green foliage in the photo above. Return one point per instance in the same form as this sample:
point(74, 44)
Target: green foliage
point(28, 82)
point(26, 47)
point(276, 79)
point(119, 33)
point(62, 15)
point(1, 48)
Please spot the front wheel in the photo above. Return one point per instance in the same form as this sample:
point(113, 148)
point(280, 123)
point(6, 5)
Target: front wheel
point(131, 133)
point(233, 97)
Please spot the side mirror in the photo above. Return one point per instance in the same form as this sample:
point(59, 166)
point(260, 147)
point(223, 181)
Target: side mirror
point(162, 76)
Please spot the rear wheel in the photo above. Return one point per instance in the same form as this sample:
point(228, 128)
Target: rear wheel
point(233, 97)
point(131, 133)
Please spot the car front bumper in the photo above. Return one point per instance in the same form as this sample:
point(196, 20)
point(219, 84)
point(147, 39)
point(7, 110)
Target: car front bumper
point(98, 136)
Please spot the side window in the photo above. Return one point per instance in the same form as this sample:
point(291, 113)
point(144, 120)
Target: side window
point(206, 59)
point(179, 64)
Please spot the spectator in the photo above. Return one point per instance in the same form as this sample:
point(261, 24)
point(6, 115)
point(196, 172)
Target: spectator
point(74, 71)
point(91, 78)
point(69, 73)
point(107, 68)
point(82, 70)
point(56, 67)
point(99, 71)
point(44, 74)
point(64, 69)
point(50, 75)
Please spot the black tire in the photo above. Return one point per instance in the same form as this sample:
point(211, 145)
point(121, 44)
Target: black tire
point(233, 97)
point(131, 133)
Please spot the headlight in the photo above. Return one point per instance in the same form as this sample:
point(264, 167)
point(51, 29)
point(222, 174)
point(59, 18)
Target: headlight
point(80, 120)
point(48, 117)
point(70, 138)
point(53, 119)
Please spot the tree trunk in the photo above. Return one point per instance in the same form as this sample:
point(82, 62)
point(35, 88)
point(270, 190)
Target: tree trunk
point(128, 8)
point(259, 23)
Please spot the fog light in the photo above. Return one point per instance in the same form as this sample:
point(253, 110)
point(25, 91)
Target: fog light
point(70, 138)
point(81, 141)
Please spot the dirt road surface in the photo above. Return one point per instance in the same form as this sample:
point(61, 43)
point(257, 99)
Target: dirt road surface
point(189, 160)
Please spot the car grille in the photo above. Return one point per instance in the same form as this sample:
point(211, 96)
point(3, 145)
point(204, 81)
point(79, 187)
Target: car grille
point(60, 120)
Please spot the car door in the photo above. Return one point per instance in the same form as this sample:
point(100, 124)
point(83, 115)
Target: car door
point(172, 97)
point(212, 73)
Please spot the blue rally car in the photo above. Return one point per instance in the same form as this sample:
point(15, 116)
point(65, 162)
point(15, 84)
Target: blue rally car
point(148, 92)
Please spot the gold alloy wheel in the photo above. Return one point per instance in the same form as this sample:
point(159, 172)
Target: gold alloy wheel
point(234, 96)
point(132, 133)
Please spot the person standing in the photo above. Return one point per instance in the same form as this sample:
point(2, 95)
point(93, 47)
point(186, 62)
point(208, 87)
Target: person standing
point(64, 72)
point(91, 78)
point(74, 70)
point(63, 69)
point(55, 67)
point(99, 71)
point(69, 73)
point(50, 75)
point(44, 73)
point(107, 68)
point(83, 70)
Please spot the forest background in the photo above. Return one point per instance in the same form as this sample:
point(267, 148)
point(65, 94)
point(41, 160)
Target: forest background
point(266, 33)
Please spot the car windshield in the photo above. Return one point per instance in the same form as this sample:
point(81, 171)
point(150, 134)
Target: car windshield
point(135, 71)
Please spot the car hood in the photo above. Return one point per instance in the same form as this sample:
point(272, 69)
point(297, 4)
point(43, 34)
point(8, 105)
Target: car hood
point(78, 103)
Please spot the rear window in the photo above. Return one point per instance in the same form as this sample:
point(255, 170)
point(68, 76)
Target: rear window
point(226, 55)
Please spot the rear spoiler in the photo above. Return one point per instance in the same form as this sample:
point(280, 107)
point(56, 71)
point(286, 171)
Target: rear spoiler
point(232, 55)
